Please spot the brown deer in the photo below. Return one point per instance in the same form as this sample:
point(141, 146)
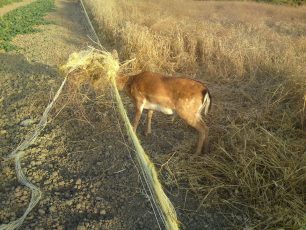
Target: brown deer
point(153, 91)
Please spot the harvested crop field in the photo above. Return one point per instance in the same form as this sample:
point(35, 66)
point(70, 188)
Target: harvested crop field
point(252, 57)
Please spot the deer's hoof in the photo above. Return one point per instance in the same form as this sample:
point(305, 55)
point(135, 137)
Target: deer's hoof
point(147, 133)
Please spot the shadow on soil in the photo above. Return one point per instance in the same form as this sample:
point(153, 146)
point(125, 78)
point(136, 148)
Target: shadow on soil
point(17, 64)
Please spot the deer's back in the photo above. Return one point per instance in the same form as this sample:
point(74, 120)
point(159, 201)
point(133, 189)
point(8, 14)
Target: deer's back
point(166, 91)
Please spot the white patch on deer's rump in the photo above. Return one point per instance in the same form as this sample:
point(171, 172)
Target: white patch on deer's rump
point(149, 105)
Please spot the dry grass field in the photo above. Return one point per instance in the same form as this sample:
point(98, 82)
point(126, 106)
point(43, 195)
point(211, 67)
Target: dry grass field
point(252, 55)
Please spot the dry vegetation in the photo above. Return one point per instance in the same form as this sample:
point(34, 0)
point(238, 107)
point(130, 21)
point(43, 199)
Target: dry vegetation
point(253, 57)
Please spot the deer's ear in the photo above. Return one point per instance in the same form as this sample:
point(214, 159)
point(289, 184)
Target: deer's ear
point(115, 54)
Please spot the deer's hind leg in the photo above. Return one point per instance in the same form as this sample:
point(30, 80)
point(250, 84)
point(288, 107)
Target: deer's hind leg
point(203, 136)
point(196, 122)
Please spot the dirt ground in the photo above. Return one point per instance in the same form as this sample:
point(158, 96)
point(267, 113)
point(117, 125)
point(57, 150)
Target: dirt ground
point(84, 169)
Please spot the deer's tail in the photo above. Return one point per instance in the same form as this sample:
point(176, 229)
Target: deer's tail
point(206, 101)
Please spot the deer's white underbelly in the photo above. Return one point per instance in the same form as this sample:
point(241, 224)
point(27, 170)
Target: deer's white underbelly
point(149, 105)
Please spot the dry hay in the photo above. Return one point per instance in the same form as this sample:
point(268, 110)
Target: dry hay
point(89, 72)
point(257, 164)
point(92, 66)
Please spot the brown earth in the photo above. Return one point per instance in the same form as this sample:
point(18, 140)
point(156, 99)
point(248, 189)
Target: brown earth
point(82, 164)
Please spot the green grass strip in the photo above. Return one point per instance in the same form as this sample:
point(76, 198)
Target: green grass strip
point(23, 21)
point(6, 2)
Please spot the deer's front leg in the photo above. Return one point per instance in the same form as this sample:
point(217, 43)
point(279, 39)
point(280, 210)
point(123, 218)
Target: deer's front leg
point(138, 112)
point(149, 118)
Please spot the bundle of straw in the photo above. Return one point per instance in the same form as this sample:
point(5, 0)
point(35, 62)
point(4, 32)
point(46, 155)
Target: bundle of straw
point(92, 66)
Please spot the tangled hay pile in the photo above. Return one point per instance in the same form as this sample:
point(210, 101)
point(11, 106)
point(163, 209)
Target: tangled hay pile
point(92, 66)
point(89, 72)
